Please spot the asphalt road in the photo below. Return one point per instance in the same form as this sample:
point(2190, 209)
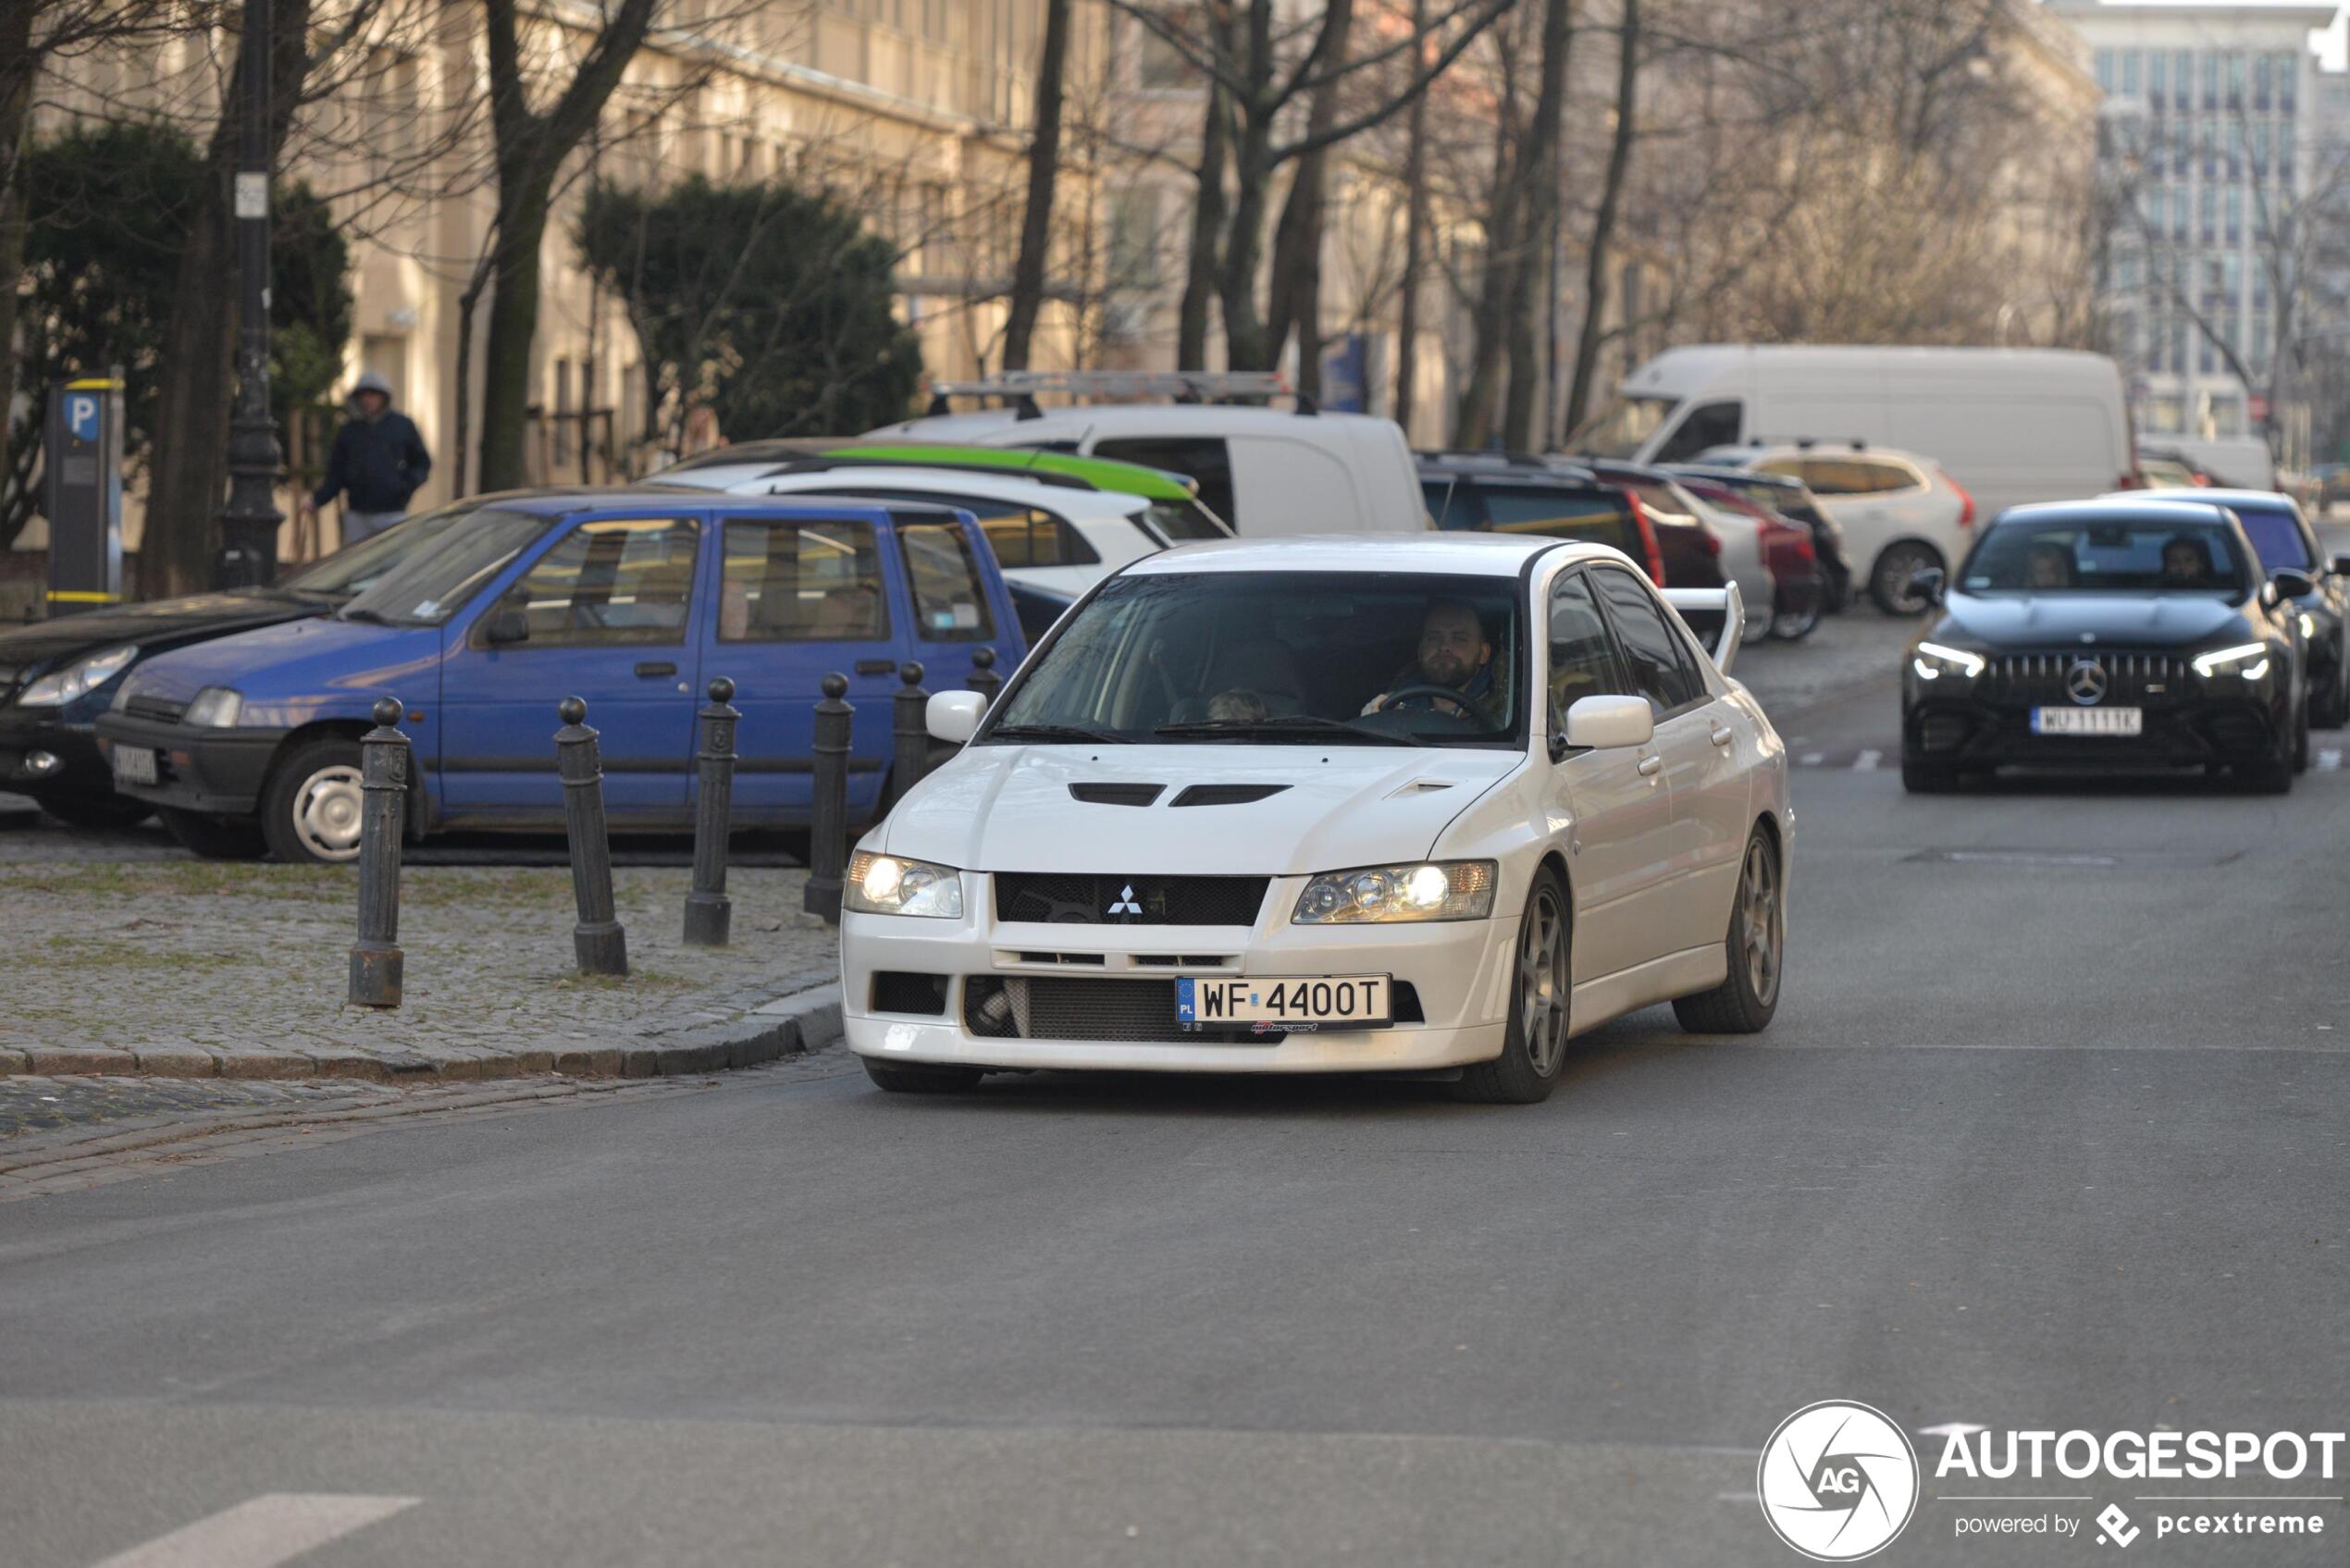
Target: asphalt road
point(2050, 1134)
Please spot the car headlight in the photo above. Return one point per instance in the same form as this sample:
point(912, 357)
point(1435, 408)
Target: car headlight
point(1933, 661)
point(215, 708)
point(1435, 890)
point(890, 885)
point(2308, 626)
point(77, 679)
point(2249, 660)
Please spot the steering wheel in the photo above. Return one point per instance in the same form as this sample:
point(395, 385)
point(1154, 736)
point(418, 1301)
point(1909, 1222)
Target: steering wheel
point(1430, 689)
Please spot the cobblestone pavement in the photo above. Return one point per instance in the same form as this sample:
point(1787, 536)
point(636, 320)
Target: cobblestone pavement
point(198, 968)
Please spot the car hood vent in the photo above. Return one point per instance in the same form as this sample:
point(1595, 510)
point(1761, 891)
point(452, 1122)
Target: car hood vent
point(1225, 794)
point(1116, 794)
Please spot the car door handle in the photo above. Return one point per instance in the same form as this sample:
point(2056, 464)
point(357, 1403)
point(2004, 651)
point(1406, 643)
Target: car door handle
point(1724, 735)
point(656, 671)
point(875, 666)
point(1650, 766)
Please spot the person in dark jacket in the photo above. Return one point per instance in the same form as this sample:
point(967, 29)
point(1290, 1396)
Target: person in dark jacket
point(377, 463)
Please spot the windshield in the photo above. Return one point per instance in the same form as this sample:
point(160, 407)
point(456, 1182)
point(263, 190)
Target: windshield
point(353, 567)
point(1281, 658)
point(1181, 522)
point(2276, 538)
point(2136, 555)
point(1619, 429)
point(428, 587)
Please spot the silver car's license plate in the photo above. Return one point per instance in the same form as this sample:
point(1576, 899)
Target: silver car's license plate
point(134, 764)
point(2088, 720)
point(1316, 1001)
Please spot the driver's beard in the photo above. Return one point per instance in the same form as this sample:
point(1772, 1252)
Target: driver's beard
point(1444, 671)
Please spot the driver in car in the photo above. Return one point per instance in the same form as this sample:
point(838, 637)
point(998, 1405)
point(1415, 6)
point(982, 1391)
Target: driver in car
point(2185, 565)
point(1454, 654)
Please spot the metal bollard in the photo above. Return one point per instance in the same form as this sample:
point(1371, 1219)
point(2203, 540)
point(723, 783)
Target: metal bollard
point(912, 755)
point(828, 806)
point(708, 911)
point(376, 960)
point(984, 678)
point(601, 945)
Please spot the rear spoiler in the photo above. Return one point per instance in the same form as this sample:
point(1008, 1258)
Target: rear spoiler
point(1716, 615)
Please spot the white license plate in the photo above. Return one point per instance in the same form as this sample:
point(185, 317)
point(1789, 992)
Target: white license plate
point(1320, 1002)
point(2088, 720)
point(134, 764)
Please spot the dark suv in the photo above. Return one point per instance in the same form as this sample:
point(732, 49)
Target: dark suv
point(1512, 493)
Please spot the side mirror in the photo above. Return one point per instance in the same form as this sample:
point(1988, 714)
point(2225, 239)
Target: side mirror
point(1604, 724)
point(2291, 583)
point(2341, 564)
point(1927, 584)
point(953, 716)
point(506, 627)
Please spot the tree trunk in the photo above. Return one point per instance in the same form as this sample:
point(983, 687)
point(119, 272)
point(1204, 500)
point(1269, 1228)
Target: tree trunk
point(1245, 345)
point(1535, 274)
point(1296, 294)
point(1043, 171)
point(1407, 325)
point(513, 327)
point(1208, 230)
point(188, 476)
point(16, 128)
point(1595, 266)
point(1481, 391)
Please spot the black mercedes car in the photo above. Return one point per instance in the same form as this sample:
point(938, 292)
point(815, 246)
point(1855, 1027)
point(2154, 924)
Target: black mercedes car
point(56, 676)
point(2115, 633)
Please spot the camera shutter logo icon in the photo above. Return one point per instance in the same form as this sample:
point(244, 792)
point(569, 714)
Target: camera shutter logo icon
point(1837, 1481)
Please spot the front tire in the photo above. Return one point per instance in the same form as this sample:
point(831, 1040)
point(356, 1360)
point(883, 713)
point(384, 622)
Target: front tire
point(311, 808)
point(214, 838)
point(906, 1078)
point(1889, 578)
point(1756, 945)
point(1534, 1046)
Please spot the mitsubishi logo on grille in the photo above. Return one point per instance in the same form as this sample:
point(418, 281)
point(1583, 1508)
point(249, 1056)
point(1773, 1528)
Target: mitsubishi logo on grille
point(2085, 682)
point(1125, 904)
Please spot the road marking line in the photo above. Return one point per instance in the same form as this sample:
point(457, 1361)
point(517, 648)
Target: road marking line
point(2328, 760)
point(1866, 762)
point(1812, 759)
point(262, 1532)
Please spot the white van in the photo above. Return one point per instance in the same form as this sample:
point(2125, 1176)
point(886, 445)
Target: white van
point(2010, 424)
point(1268, 472)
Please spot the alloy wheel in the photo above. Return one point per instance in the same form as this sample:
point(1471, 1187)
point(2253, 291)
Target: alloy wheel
point(1542, 982)
point(1762, 922)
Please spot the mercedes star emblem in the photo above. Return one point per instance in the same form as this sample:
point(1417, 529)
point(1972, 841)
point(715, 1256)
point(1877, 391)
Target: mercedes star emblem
point(2085, 682)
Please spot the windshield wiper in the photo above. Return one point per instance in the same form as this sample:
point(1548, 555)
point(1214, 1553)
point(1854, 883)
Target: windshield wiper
point(1288, 723)
point(372, 617)
point(1057, 732)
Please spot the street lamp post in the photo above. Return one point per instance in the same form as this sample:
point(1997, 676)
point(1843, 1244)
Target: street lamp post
point(249, 525)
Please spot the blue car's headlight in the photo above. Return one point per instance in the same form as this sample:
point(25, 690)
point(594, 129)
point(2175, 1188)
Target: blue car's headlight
point(215, 708)
point(77, 679)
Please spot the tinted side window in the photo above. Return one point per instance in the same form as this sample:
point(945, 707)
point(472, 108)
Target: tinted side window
point(1020, 535)
point(1709, 424)
point(790, 582)
point(950, 604)
point(609, 582)
point(1661, 668)
point(1205, 458)
point(1858, 475)
point(1452, 502)
point(1582, 660)
point(1562, 514)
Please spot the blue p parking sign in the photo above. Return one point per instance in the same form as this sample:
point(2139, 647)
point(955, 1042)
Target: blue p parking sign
point(81, 416)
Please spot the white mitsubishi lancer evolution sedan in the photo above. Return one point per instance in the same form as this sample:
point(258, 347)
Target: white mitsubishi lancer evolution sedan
point(1331, 805)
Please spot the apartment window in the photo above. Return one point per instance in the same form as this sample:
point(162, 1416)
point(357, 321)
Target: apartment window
point(2260, 69)
point(2210, 81)
point(2235, 217)
point(2288, 74)
point(1133, 238)
point(2235, 81)
point(2105, 70)
point(1158, 65)
point(2182, 79)
point(2207, 210)
point(2259, 345)
point(2159, 79)
point(2207, 359)
point(2178, 212)
point(2129, 73)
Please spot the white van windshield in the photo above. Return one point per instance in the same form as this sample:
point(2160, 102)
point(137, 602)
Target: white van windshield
point(1622, 426)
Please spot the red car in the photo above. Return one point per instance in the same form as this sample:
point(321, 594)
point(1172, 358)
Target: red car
point(1788, 554)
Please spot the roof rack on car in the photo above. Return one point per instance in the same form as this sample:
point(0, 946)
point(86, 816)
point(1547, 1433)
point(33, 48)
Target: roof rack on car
point(1022, 388)
point(1805, 443)
point(1456, 454)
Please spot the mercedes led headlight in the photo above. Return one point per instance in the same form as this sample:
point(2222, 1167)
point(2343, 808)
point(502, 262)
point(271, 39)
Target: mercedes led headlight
point(77, 679)
point(2249, 660)
point(1439, 890)
point(215, 708)
point(889, 884)
point(1934, 661)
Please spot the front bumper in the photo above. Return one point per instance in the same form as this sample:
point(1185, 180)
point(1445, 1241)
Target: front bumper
point(73, 765)
point(1451, 989)
point(218, 772)
point(2202, 732)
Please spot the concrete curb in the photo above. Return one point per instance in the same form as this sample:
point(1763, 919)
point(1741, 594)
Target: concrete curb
point(802, 1021)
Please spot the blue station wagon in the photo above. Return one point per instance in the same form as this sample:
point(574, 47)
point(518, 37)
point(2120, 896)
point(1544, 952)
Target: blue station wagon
point(632, 600)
